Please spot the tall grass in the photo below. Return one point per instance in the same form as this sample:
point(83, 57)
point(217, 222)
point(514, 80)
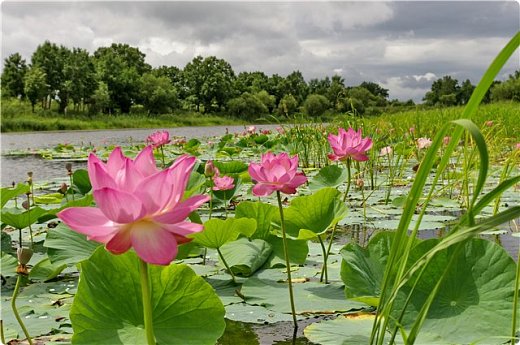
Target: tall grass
point(399, 270)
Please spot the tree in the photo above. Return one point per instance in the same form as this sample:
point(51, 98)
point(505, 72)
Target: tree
point(218, 82)
point(80, 77)
point(375, 89)
point(445, 86)
point(100, 100)
point(275, 87)
point(319, 86)
point(507, 90)
point(268, 100)
point(174, 74)
point(35, 82)
point(251, 82)
point(157, 94)
point(51, 58)
point(120, 67)
point(316, 105)
point(335, 91)
point(209, 82)
point(247, 107)
point(13, 75)
point(465, 91)
point(295, 85)
point(193, 80)
point(287, 106)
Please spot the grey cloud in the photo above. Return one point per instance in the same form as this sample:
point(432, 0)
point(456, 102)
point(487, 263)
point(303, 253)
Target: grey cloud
point(386, 42)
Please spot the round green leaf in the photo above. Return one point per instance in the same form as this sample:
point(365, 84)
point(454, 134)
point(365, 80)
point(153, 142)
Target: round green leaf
point(81, 181)
point(262, 213)
point(341, 331)
point(65, 246)
point(244, 256)
point(107, 308)
point(217, 232)
point(329, 176)
point(316, 213)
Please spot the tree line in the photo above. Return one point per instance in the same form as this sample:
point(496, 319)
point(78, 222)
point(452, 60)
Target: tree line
point(116, 79)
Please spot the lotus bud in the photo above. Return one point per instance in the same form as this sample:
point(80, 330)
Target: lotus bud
point(68, 166)
point(25, 204)
point(24, 255)
point(210, 169)
point(29, 177)
point(63, 188)
point(360, 183)
point(488, 123)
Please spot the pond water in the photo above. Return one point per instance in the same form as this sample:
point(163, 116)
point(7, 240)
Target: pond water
point(16, 168)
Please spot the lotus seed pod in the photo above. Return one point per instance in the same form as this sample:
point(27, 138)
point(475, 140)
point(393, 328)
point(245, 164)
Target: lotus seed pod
point(68, 166)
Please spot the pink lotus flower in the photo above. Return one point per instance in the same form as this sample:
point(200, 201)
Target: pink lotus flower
point(158, 138)
point(266, 131)
point(223, 183)
point(251, 129)
point(385, 151)
point(517, 146)
point(446, 140)
point(276, 173)
point(138, 206)
point(280, 130)
point(488, 123)
point(423, 143)
point(349, 145)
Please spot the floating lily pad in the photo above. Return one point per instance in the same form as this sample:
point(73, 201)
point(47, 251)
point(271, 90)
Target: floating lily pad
point(310, 297)
point(65, 246)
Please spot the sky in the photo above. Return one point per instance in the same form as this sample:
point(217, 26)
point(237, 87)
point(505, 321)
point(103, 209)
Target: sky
point(404, 46)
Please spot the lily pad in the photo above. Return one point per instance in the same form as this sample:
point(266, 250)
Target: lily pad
point(310, 297)
point(262, 213)
point(218, 232)
point(329, 176)
point(244, 256)
point(186, 310)
point(65, 246)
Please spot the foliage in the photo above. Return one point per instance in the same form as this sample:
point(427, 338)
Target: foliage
point(157, 94)
point(13, 76)
point(507, 90)
point(35, 85)
point(316, 105)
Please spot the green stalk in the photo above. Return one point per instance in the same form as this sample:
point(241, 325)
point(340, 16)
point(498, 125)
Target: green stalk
point(2, 336)
point(226, 264)
point(71, 181)
point(348, 180)
point(515, 300)
point(147, 302)
point(325, 257)
point(15, 311)
point(287, 263)
point(162, 157)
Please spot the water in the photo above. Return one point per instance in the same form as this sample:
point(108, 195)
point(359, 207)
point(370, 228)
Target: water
point(16, 168)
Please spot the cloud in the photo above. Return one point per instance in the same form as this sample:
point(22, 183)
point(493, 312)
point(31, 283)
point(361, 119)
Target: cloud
point(396, 43)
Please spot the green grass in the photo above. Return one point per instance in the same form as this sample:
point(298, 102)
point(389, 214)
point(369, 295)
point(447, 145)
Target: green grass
point(18, 117)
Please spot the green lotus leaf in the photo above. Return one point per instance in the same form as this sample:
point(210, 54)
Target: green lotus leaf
point(262, 213)
point(244, 256)
point(316, 213)
point(81, 181)
point(9, 193)
point(218, 232)
point(23, 219)
point(329, 176)
point(46, 270)
point(108, 309)
point(65, 246)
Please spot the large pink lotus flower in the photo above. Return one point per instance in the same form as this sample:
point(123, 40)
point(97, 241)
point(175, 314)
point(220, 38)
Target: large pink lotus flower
point(138, 206)
point(349, 144)
point(158, 138)
point(276, 173)
point(223, 183)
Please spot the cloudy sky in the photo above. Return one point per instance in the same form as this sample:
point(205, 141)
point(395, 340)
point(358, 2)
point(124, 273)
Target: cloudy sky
point(404, 46)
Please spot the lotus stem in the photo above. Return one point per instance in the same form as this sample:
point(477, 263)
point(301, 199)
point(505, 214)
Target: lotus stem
point(515, 300)
point(15, 311)
point(348, 180)
point(287, 262)
point(226, 264)
point(324, 270)
point(162, 157)
point(147, 303)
